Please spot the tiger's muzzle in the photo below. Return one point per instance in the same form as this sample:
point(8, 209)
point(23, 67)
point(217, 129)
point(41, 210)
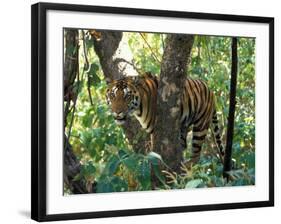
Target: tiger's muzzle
point(119, 118)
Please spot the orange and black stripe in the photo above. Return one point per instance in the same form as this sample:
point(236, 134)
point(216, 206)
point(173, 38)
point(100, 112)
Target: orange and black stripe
point(198, 111)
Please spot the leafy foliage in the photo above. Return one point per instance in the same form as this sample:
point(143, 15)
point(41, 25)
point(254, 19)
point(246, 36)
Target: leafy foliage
point(112, 165)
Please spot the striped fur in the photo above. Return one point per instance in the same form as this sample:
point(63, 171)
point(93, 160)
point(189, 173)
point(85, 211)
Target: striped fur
point(198, 111)
point(134, 95)
point(138, 96)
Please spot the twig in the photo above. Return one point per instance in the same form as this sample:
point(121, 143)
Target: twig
point(162, 41)
point(199, 47)
point(209, 58)
point(66, 110)
point(89, 92)
point(150, 48)
point(87, 67)
point(84, 51)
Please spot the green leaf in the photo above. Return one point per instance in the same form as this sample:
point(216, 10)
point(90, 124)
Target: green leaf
point(77, 177)
point(93, 78)
point(130, 162)
point(112, 165)
point(111, 184)
point(122, 154)
point(88, 169)
point(119, 184)
point(143, 174)
point(193, 183)
point(104, 186)
point(154, 158)
point(86, 138)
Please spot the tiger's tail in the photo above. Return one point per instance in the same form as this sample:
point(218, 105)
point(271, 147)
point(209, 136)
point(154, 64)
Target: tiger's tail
point(217, 134)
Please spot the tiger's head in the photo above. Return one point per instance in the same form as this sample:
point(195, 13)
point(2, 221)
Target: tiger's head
point(123, 98)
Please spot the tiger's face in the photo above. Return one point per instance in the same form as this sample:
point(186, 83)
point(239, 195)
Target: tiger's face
point(123, 99)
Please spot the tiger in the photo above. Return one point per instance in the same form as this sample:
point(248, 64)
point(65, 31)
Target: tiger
point(137, 96)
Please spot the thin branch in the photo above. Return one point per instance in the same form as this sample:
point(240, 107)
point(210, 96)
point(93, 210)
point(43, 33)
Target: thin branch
point(150, 48)
point(87, 67)
point(209, 58)
point(118, 60)
point(199, 47)
point(85, 51)
point(66, 111)
point(162, 40)
point(74, 108)
point(89, 92)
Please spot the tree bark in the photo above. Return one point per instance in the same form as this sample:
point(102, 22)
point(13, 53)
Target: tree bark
point(105, 48)
point(116, 64)
point(173, 73)
point(71, 65)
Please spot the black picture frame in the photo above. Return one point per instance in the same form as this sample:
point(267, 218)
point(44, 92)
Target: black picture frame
point(39, 114)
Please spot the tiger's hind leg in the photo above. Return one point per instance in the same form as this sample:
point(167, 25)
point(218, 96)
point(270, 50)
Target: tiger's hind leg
point(198, 137)
point(217, 134)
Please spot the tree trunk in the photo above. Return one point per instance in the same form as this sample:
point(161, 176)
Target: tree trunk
point(173, 73)
point(117, 63)
point(231, 114)
point(71, 66)
point(105, 48)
